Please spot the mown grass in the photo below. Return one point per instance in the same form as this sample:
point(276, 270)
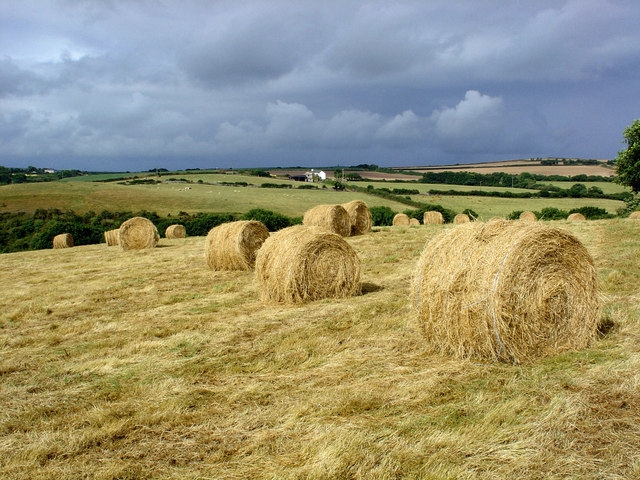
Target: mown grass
point(148, 365)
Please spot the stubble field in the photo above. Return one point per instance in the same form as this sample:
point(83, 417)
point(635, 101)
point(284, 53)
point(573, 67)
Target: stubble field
point(146, 364)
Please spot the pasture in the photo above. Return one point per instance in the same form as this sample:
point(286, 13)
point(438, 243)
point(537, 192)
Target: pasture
point(146, 364)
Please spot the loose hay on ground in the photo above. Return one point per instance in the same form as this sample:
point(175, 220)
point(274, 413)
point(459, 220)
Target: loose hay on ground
point(175, 231)
point(138, 233)
point(359, 217)
point(333, 218)
point(432, 217)
point(64, 240)
point(301, 264)
point(233, 245)
point(112, 237)
point(512, 291)
point(401, 219)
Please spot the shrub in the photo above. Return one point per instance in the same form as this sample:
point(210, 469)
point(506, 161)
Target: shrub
point(272, 220)
point(382, 216)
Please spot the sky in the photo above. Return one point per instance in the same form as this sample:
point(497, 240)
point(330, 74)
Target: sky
point(131, 85)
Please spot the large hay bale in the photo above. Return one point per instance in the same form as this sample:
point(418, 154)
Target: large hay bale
point(506, 290)
point(400, 219)
point(138, 233)
point(333, 218)
point(576, 217)
point(414, 221)
point(175, 231)
point(233, 245)
point(359, 217)
point(461, 218)
point(64, 240)
point(301, 264)
point(635, 215)
point(432, 217)
point(528, 217)
point(112, 237)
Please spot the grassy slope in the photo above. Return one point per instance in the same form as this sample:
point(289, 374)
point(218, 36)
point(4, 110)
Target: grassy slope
point(148, 365)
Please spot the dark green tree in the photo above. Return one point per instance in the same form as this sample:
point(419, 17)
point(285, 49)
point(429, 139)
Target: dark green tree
point(628, 160)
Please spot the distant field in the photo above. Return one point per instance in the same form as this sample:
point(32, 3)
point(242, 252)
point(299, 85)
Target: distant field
point(81, 195)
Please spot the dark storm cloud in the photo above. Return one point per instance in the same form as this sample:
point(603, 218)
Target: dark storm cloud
point(259, 82)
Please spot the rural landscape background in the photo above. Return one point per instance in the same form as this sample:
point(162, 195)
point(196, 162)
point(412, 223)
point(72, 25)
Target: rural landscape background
point(147, 364)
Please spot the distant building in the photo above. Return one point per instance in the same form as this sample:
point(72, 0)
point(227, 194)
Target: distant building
point(49, 170)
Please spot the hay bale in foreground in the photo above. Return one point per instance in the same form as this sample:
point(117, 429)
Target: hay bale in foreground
point(359, 217)
point(233, 245)
point(175, 231)
point(576, 217)
point(333, 218)
point(506, 290)
point(138, 233)
point(414, 221)
point(300, 264)
point(64, 240)
point(432, 217)
point(635, 215)
point(400, 219)
point(112, 237)
point(461, 218)
point(528, 217)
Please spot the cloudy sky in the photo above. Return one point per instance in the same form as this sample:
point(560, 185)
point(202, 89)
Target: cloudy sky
point(136, 84)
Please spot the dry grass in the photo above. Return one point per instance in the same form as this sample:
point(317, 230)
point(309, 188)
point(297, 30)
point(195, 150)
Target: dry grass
point(64, 240)
point(138, 233)
point(146, 364)
point(502, 290)
point(233, 245)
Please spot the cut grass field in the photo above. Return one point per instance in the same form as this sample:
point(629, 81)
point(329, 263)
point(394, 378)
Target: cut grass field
point(147, 364)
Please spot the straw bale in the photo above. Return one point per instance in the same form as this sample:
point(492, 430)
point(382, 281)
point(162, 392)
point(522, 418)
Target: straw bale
point(506, 290)
point(112, 237)
point(401, 219)
point(300, 264)
point(138, 233)
point(359, 217)
point(233, 245)
point(64, 240)
point(414, 221)
point(175, 231)
point(432, 217)
point(461, 218)
point(528, 217)
point(635, 215)
point(576, 217)
point(333, 218)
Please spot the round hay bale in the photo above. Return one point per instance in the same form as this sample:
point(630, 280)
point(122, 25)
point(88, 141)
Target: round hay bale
point(359, 217)
point(635, 215)
point(576, 217)
point(461, 218)
point(414, 221)
point(175, 231)
point(112, 237)
point(506, 290)
point(233, 245)
point(138, 233)
point(432, 217)
point(528, 217)
point(301, 264)
point(400, 219)
point(64, 240)
point(333, 218)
